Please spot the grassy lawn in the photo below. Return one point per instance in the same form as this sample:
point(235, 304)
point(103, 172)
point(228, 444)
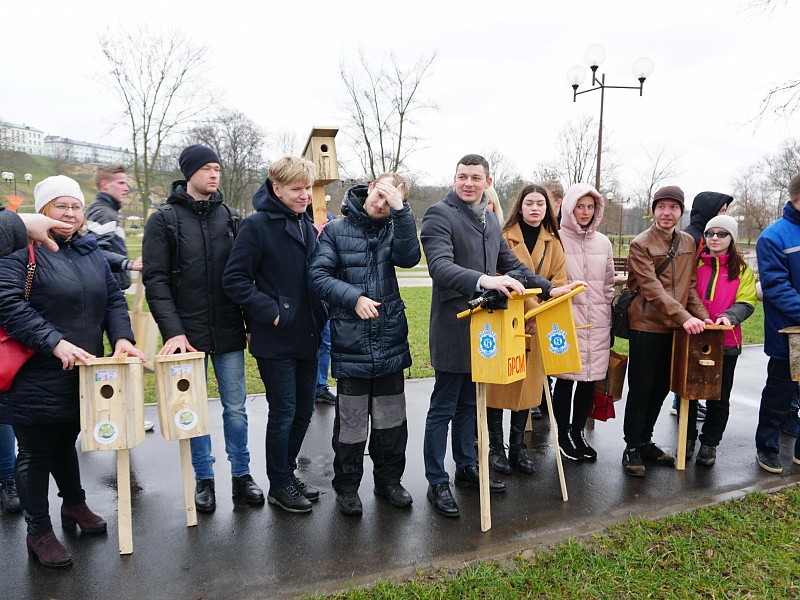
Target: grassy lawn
point(745, 548)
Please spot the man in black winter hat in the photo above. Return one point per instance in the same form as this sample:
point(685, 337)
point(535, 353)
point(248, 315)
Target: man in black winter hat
point(185, 248)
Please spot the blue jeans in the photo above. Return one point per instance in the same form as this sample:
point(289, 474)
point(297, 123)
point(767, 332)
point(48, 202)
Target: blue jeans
point(453, 399)
point(8, 451)
point(229, 371)
point(290, 385)
point(324, 358)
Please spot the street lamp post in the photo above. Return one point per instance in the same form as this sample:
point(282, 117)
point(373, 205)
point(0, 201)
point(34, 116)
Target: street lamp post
point(9, 177)
point(28, 178)
point(594, 57)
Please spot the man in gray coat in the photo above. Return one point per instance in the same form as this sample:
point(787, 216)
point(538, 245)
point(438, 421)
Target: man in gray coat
point(465, 251)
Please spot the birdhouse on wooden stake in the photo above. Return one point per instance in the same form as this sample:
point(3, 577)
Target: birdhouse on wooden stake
point(112, 404)
point(497, 341)
point(697, 363)
point(321, 150)
point(182, 395)
point(793, 334)
point(556, 334)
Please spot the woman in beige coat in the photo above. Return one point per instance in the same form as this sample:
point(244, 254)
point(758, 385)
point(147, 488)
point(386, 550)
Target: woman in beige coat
point(532, 234)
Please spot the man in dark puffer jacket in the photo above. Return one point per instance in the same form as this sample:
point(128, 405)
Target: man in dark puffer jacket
point(353, 270)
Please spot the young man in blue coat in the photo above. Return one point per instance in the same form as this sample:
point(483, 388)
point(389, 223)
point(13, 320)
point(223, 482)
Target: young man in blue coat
point(465, 251)
point(778, 252)
point(353, 269)
point(266, 275)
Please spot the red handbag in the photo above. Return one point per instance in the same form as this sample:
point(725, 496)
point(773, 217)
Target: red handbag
point(14, 354)
point(602, 406)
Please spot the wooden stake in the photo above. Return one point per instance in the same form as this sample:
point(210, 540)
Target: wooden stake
point(553, 427)
point(483, 457)
point(318, 202)
point(187, 474)
point(683, 433)
point(124, 523)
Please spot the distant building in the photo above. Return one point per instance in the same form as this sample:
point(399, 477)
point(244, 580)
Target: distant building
point(85, 152)
point(22, 138)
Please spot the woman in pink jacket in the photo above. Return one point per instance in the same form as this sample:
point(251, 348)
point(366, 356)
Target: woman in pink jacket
point(590, 258)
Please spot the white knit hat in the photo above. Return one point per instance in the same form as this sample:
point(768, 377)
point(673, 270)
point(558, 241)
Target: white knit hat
point(725, 222)
point(55, 187)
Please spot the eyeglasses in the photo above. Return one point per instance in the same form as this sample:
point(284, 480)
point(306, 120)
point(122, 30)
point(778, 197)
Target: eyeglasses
point(67, 207)
point(720, 234)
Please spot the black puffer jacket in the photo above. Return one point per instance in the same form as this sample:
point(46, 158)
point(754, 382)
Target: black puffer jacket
point(74, 297)
point(705, 206)
point(356, 256)
point(266, 274)
point(192, 301)
point(105, 223)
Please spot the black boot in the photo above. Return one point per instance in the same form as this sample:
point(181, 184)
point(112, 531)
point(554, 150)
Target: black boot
point(497, 451)
point(516, 452)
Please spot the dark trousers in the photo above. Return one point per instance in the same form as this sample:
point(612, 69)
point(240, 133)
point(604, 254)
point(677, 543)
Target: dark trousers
point(649, 367)
point(579, 406)
point(43, 450)
point(775, 401)
point(374, 408)
point(452, 400)
point(717, 412)
point(290, 385)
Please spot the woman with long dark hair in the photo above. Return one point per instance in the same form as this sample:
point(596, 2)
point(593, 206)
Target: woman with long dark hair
point(532, 234)
point(727, 287)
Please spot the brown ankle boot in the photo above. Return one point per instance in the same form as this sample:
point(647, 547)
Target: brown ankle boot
point(85, 518)
point(48, 550)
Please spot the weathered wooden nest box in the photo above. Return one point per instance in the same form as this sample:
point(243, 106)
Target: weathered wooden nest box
point(497, 342)
point(793, 333)
point(321, 150)
point(112, 404)
point(182, 395)
point(555, 331)
point(697, 363)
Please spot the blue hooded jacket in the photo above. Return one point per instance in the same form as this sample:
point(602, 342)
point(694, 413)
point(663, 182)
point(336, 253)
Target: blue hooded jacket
point(778, 252)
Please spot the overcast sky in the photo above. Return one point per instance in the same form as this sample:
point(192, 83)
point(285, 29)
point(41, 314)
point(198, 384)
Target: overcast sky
point(499, 79)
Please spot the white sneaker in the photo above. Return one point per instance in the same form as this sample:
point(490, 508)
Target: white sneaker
point(149, 425)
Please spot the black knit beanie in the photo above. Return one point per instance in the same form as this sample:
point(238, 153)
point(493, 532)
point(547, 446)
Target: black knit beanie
point(194, 157)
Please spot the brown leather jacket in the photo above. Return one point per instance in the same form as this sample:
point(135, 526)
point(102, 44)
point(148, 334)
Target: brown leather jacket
point(665, 303)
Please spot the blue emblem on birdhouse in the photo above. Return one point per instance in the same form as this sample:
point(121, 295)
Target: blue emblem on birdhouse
point(487, 346)
point(558, 340)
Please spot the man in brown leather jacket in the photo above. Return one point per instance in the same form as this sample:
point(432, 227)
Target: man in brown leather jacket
point(663, 304)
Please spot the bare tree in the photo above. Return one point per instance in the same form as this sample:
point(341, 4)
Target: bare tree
point(506, 178)
point(662, 165)
point(381, 109)
point(157, 77)
point(285, 141)
point(63, 154)
point(576, 158)
point(239, 142)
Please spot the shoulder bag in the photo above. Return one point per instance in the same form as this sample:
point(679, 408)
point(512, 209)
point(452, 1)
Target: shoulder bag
point(14, 354)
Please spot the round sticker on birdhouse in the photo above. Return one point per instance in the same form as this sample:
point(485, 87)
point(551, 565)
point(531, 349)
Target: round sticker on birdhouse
point(106, 432)
point(558, 340)
point(487, 342)
point(185, 419)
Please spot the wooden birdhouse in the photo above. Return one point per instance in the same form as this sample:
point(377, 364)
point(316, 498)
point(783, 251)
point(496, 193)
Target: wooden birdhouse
point(555, 330)
point(697, 363)
point(321, 150)
point(112, 404)
point(497, 341)
point(793, 334)
point(182, 395)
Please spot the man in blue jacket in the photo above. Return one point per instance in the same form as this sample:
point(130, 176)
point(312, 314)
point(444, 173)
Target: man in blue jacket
point(266, 276)
point(353, 269)
point(778, 251)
